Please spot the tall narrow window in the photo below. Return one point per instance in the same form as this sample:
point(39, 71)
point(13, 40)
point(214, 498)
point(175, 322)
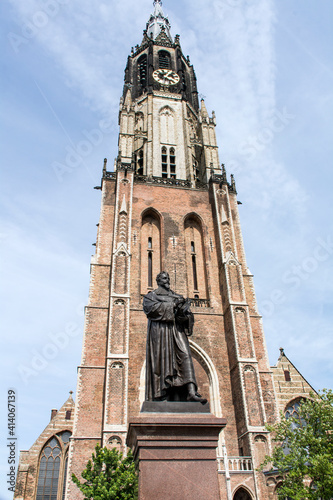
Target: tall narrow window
point(183, 76)
point(142, 70)
point(140, 163)
point(195, 165)
point(65, 477)
point(150, 262)
point(172, 163)
point(164, 162)
point(53, 462)
point(150, 269)
point(194, 269)
point(196, 262)
point(164, 59)
point(168, 163)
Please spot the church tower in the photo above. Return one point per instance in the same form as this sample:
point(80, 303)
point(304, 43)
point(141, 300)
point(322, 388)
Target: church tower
point(169, 206)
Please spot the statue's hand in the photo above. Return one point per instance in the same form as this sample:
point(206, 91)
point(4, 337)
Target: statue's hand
point(179, 301)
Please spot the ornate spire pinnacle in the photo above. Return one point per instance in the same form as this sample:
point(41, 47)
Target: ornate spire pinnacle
point(157, 21)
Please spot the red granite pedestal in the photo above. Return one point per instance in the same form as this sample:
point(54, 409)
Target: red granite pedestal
point(176, 454)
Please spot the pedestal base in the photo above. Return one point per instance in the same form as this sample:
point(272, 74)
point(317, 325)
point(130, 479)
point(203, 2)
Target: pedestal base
point(176, 454)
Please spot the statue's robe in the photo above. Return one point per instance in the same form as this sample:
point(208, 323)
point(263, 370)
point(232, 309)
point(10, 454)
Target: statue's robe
point(169, 362)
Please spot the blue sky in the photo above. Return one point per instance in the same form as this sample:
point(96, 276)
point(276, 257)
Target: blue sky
point(266, 69)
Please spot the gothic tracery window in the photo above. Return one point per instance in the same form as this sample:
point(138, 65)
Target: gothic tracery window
point(292, 411)
point(53, 468)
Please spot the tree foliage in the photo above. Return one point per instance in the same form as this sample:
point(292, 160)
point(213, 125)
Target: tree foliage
point(109, 476)
point(304, 450)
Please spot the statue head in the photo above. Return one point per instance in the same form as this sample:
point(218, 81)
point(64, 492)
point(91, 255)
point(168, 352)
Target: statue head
point(163, 280)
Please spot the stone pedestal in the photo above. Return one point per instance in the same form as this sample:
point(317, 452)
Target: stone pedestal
point(176, 453)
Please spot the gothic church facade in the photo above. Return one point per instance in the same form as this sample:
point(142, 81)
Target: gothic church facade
point(168, 205)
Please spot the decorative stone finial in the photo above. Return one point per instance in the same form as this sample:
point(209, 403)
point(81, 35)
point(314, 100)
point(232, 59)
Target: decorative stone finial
point(233, 184)
point(224, 173)
point(104, 169)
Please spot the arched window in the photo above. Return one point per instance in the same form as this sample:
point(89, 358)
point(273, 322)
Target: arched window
point(168, 162)
point(172, 158)
point(164, 162)
point(53, 468)
point(195, 258)
point(242, 494)
point(142, 70)
point(150, 249)
point(164, 59)
point(292, 411)
point(49, 469)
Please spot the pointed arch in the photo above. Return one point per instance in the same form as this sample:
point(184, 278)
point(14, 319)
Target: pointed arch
point(150, 264)
point(143, 70)
point(204, 360)
point(243, 493)
point(49, 470)
point(214, 391)
point(197, 283)
point(293, 404)
point(167, 125)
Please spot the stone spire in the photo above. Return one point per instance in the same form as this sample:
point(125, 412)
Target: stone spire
point(158, 21)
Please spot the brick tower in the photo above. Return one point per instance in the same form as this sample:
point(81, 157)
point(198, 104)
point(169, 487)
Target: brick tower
point(168, 206)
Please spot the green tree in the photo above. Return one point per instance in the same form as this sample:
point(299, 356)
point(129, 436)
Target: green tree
point(304, 450)
point(109, 476)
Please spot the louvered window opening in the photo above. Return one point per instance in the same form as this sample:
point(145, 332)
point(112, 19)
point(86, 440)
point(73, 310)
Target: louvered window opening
point(164, 60)
point(142, 65)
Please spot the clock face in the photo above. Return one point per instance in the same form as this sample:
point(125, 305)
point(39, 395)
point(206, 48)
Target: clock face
point(166, 77)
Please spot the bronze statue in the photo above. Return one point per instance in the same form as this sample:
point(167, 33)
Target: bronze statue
point(169, 371)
